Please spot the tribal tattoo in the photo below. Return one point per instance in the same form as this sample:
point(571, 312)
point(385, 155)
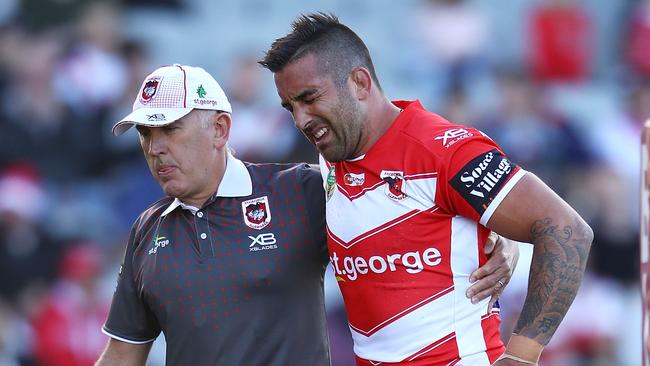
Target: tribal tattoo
point(559, 261)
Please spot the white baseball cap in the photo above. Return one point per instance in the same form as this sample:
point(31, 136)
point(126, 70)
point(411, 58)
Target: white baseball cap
point(171, 92)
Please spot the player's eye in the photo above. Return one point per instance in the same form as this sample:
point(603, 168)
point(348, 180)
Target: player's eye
point(143, 131)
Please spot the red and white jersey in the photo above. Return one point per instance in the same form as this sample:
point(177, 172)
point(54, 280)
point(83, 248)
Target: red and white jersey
point(405, 231)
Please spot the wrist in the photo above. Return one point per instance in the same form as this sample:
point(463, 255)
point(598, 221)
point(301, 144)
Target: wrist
point(523, 349)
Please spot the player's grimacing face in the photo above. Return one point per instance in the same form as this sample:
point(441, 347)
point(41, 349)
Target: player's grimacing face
point(328, 116)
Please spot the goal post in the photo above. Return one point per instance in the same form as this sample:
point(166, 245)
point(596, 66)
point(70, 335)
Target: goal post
point(644, 241)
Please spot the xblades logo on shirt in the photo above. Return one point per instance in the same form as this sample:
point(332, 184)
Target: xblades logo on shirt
point(452, 136)
point(265, 241)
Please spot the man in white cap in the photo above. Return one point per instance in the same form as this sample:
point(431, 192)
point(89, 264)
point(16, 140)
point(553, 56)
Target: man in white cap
point(230, 265)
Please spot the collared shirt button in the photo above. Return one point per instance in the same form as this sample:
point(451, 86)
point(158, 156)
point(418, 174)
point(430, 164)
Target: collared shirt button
point(203, 236)
point(199, 214)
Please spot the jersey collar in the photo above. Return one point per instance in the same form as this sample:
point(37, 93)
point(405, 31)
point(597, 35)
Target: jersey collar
point(236, 182)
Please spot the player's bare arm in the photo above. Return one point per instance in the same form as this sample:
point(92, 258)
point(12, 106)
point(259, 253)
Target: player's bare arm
point(533, 213)
point(118, 353)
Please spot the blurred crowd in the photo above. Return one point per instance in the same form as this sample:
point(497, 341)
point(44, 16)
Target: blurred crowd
point(568, 106)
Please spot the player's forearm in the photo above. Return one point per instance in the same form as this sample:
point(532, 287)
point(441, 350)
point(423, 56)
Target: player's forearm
point(119, 353)
point(558, 264)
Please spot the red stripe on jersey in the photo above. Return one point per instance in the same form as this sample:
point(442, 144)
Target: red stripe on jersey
point(490, 324)
point(442, 352)
point(407, 285)
point(405, 311)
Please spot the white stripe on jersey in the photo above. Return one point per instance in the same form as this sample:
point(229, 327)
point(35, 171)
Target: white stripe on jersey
point(409, 334)
point(464, 260)
point(376, 208)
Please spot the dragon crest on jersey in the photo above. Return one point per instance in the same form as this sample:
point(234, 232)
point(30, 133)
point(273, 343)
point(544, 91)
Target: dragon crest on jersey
point(149, 89)
point(394, 183)
point(257, 213)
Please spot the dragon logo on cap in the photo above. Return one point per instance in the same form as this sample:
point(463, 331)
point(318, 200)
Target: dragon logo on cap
point(149, 89)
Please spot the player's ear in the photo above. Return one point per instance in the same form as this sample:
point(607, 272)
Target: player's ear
point(362, 82)
point(221, 122)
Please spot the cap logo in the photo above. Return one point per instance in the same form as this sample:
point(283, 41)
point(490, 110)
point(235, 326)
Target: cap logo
point(156, 117)
point(200, 91)
point(150, 88)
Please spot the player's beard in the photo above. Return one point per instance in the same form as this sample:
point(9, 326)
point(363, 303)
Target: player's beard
point(347, 128)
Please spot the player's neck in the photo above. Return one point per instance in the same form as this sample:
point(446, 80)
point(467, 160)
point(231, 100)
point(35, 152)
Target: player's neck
point(380, 118)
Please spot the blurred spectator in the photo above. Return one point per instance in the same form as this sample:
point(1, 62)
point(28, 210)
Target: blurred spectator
point(68, 327)
point(45, 15)
point(26, 251)
point(531, 132)
point(261, 132)
point(561, 41)
point(172, 4)
point(454, 34)
point(92, 75)
point(35, 127)
point(638, 39)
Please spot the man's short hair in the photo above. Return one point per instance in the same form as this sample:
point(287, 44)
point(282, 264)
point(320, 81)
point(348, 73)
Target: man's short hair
point(339, 50)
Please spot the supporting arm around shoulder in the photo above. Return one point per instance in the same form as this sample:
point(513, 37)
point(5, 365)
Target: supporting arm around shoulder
point(118, 353)
point(533, 213)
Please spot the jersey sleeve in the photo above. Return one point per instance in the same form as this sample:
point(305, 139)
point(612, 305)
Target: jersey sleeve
point(474, 177)
point(315, 201)
point(130, 319)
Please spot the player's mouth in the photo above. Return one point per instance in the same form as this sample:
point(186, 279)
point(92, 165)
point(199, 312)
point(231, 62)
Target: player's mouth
point(320, 134)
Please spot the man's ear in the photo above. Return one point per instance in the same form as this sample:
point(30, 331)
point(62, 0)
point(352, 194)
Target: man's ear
point(221, 122)
point(362, 82)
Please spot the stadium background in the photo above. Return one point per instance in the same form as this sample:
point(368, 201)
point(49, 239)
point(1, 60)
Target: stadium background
point(562, 85)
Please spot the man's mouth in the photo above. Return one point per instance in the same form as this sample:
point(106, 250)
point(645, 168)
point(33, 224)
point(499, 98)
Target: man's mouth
point(165, 170)
point(320, 133)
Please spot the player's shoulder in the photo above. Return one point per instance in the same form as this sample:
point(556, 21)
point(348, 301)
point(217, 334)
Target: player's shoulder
point(153, 212)
point(432, 131)
point(281, 173)
point(442, 138)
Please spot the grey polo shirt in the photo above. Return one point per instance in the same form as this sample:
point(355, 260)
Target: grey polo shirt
point(238, 281)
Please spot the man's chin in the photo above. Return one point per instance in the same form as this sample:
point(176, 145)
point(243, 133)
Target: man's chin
point(170, 189)
point(330, 155)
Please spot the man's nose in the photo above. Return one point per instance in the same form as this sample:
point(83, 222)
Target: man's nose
point(300, 118)
point(157, 144)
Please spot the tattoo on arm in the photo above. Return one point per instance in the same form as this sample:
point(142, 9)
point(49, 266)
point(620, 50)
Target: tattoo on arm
point(559, 260)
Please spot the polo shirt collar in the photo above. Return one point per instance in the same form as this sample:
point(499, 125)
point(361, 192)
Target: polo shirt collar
point(236, 182)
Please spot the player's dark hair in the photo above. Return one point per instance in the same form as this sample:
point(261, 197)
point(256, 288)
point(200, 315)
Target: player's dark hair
point(339, 50)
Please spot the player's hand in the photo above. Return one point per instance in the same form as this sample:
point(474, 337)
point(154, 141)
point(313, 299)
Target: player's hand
point(495, 274)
